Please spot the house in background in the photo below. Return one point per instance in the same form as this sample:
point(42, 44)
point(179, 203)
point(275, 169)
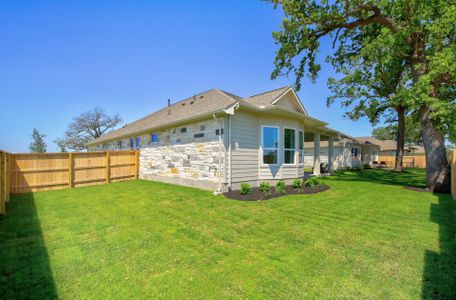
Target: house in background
point(217, 140)
point(349, 152)
point(389, 147)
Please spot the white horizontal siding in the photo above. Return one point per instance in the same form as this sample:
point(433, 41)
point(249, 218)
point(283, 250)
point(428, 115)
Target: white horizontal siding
point(244, 145)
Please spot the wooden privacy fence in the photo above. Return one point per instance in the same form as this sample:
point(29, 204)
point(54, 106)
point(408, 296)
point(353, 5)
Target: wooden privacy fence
point(453, 173)
point(415, 161)
point(4, 180)
point(34, 172)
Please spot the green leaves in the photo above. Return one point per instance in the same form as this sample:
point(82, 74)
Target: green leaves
point(389, 53)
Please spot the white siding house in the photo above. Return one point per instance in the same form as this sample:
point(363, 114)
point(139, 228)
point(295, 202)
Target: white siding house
point(217, 140)
point(348, 152)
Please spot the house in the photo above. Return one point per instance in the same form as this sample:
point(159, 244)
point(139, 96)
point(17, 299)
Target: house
point(389, 147)
point(348, 152)
point(217, 140)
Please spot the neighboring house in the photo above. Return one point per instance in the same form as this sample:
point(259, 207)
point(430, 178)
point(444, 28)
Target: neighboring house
point(219, 140)
point(349, 152)
point(389, 147)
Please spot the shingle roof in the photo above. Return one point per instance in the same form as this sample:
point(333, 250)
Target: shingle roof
point(205, 103)
point(265, 99)
point(384, 145)
point(340, 142)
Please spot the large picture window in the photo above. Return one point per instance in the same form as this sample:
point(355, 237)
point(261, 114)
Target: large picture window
point(270, 137)
point(301, 147)
point(289, 145)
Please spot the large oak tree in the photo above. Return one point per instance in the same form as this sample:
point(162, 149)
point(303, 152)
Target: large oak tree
point(85, 128)
point(413, 41)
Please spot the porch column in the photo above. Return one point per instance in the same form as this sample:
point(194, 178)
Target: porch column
point(316, 154)
point(330, 154)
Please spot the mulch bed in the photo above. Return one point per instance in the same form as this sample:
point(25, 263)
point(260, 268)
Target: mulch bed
point(417, 189)
point(257, 195)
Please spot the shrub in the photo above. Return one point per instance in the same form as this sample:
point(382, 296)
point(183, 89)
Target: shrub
point(246, 189)
point(367, 166)
point(280, 187)
point(297, 183)
point(357, 168)
point(313, 182)
point(265, 187)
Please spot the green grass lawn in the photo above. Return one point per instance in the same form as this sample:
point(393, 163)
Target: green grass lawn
point(366, 237)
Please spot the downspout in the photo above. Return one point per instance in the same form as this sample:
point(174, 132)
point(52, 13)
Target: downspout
point(229, 149)
point(219, 190)
point(230, 112)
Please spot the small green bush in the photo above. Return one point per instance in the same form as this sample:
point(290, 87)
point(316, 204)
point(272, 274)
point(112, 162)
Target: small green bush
point(357, 168)
point(297, 183)
point(313, 182)
point(265, 187)
point(367, 166)
point(280, 187)
point(246, 189)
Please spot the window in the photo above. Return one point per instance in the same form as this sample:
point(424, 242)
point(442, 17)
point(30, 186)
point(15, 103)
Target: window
point(354, 152)
point(138, 142)
point(289, 146)
point(270, 138)
point(217, 131)
point(202, 127)
point(132, 143)
point(119, 145)
point(301, 147)
point(154, 138)
point(183, 129)
point(198, 135)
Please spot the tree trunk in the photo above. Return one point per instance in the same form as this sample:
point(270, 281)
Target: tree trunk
point(398, 166)
point(437, 168)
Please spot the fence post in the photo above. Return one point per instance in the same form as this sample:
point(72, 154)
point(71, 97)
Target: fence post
point(453, 174)
point(136, 164)
point(108, 167)
point(70, 170)
point(2, 183)
point(7, 176)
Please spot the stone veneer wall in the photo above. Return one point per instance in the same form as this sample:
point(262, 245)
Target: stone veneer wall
point(182, 155)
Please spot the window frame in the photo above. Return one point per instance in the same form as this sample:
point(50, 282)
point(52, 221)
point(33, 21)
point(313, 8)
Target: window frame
point(277, 149)
point(301, 150)
point(289, 149)
point(138, 142)
point(152, 138)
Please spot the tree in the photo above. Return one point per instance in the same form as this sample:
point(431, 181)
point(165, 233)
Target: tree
point(413, 132)
point(86, 127)
point(37, 145)
point(417, 40)
point(61, 144)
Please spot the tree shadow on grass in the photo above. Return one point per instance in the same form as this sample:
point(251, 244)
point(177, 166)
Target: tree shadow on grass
point(25, 271)
point(439, 274)
point(409, 177)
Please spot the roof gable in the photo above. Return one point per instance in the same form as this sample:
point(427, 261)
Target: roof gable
point(285, 97)
point(291, 101)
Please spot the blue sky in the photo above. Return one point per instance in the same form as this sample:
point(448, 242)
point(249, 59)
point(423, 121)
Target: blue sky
point(61, 58)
